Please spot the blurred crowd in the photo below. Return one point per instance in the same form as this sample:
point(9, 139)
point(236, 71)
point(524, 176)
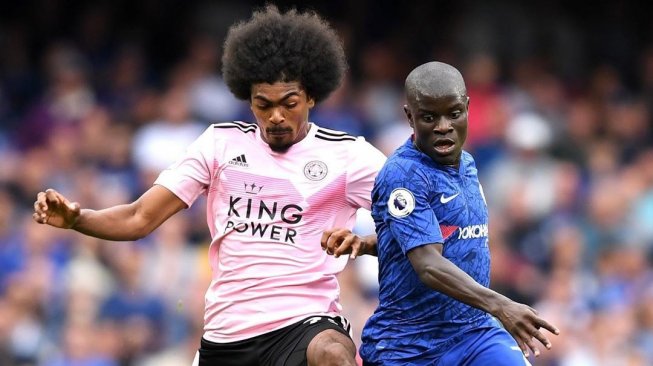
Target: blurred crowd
point(561, 127)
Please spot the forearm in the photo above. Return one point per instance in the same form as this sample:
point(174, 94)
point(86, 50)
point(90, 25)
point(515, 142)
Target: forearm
point(370, 247)
point(118, 223)
point(445, 277)
point(131, 221)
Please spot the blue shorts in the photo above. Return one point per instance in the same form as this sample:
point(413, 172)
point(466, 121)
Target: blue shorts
point(484, 346)
point(491, 346)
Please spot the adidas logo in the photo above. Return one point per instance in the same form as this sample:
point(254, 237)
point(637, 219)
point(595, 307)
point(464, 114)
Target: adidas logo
point(239, 161)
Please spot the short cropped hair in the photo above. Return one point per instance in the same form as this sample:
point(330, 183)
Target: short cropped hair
point(283, 47)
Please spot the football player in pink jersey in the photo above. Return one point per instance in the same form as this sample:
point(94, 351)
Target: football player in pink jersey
point(272, 189)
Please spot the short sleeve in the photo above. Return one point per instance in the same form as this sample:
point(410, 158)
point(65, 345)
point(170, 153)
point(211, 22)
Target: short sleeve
point(365, 161)
point(190, 175)
point(404, 191)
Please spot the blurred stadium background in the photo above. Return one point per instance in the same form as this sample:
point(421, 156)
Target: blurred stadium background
point(96, 97)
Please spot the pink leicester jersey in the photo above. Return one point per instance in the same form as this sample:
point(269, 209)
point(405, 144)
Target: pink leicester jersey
point(266, 212)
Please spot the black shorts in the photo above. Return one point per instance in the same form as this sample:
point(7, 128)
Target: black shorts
point(282, 347)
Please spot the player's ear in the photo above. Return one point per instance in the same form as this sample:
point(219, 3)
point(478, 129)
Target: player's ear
point(409, 115)
point(310, 102)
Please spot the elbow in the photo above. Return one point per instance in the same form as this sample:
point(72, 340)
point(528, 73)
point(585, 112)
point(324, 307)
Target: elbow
point(132, 235)
point(428, 275)
point(138, 235)
point(140, 229)
point(141, 232)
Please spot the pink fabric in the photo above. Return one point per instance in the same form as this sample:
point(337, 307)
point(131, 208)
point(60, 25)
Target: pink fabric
point(266, 213)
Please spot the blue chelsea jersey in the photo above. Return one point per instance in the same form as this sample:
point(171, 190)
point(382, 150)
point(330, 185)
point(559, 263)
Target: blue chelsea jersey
point(416, 202)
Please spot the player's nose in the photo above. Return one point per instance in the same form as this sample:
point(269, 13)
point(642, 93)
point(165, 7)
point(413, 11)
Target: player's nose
point(276, 116)
point(443, 126)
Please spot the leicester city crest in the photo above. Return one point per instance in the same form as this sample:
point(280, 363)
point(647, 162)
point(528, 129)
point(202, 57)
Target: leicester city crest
point(315, 170)
point(401, 202)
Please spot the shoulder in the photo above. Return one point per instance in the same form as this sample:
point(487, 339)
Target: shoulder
point(468, 162)
point(467, 158)
point(237, 127)
point(403, 159)
point(356, 148)
point(234, 132)
point(333, 136)
point(402, 168)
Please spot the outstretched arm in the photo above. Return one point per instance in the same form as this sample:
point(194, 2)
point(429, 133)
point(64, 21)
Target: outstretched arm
point(123, 222)
point(440, 274)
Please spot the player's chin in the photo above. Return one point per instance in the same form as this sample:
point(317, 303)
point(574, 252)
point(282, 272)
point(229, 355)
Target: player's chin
point(445, 157)
point(280, 146)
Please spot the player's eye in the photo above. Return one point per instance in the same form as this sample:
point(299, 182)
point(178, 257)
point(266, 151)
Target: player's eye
point(456, 114)
point(428, 117)
point(291, 105)
point(262, 106)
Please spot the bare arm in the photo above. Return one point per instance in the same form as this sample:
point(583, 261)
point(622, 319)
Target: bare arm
point(440, 274)
point(123, 222)
point(520, 320)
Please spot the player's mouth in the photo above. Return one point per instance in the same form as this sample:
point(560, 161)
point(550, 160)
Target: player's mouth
point(444, 146)
point(278, 132)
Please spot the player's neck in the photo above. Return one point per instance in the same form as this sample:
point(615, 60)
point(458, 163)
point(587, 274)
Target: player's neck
point(304, 132)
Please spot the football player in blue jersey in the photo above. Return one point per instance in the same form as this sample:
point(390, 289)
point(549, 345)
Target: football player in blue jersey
point(435, 307)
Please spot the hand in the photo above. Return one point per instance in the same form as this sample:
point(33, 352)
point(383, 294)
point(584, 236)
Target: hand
point(340, 241)
point(52, 208)
point(522, 322)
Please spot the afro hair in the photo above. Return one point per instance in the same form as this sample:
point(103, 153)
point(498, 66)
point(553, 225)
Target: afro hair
point(292, 46)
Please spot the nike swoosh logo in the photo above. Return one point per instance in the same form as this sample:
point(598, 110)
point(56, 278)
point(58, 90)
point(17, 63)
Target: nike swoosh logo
point(444, 199)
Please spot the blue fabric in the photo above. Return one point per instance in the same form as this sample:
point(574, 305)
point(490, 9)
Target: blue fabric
point(477, 347)
point(417, 202)
point(490, 346)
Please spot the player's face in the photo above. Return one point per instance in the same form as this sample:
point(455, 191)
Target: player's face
point(440, 126)
point(281, 111)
